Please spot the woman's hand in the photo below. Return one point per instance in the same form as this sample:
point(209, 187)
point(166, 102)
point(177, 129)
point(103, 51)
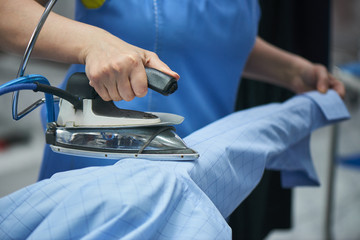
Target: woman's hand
point(311, 76)
point(273, 65)
point(116, 69)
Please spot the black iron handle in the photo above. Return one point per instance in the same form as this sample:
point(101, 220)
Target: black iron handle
point(161, 82)
point(78, 84)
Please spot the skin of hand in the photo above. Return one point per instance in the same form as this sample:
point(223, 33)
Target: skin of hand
point(270, 64)
point(115, 68)
point(315, 76)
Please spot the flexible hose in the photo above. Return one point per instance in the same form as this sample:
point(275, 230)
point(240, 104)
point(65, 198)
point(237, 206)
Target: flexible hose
point(49, 98)
point(74, 100)
point(18, 87)
point(31, 83)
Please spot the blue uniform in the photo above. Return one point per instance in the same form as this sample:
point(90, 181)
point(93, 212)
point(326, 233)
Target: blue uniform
point(206, 41)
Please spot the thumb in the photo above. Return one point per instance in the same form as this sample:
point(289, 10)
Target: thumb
point(322, 79)
point(153, 61)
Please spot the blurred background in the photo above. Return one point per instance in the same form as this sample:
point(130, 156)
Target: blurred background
point(21, 142)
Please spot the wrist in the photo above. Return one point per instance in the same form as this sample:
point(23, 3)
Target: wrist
point(91, 39)
point(296, 72)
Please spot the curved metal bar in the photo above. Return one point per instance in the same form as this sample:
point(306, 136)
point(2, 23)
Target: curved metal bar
point(25, 60)
point(34, 37)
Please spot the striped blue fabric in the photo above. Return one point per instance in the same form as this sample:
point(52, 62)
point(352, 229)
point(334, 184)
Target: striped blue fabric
point(143, 199)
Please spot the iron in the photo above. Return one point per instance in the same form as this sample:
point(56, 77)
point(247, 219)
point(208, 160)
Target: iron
point(97, 128)
point(89, 126)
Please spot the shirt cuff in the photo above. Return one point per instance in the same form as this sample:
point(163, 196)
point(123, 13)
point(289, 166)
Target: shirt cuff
point(328, 109)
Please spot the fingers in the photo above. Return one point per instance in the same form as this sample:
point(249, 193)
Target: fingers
point(119, 78)
point(123, 86)
point(115, 86)
point(322, 77)
point(124, 77)
point(326, 81)
point(337, 86)
point(153, 61)
point(101, 90)
point(138, 82)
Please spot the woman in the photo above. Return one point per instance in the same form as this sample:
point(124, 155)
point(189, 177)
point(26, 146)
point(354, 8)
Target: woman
point(209, 43)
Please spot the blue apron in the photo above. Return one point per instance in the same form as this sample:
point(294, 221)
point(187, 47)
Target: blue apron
point(206, 41)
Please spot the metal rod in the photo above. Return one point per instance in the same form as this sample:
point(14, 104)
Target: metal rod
point(329, 213)
point(34, 37)
point(25, 59)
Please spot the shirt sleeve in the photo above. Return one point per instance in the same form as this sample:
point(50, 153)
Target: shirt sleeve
point(236, 149)
point(296, 163)
point(141, 199)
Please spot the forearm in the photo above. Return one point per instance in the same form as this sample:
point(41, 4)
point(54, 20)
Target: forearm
point(273, 65)
point(61, 39)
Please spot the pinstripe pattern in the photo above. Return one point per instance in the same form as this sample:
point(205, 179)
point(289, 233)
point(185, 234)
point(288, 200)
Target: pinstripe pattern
point(142, 199)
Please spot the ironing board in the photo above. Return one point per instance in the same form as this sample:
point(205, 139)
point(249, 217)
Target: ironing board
point(142, 199)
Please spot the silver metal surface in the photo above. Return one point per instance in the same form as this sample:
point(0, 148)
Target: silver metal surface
point(118, 156)
point(161, 143)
